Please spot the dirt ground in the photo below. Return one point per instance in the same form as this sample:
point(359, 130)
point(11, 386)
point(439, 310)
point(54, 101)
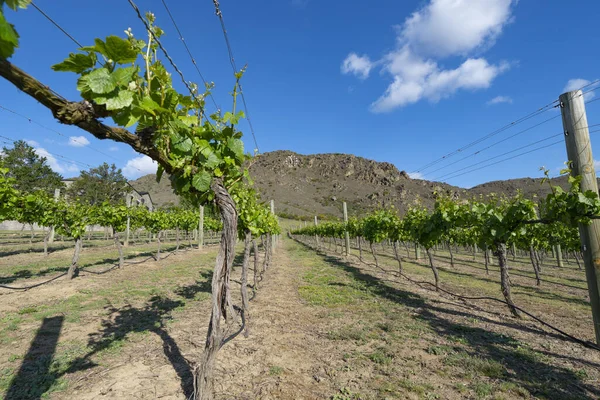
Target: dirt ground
point(321, 327)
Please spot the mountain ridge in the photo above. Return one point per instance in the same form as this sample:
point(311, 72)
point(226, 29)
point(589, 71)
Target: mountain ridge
point(317, 184)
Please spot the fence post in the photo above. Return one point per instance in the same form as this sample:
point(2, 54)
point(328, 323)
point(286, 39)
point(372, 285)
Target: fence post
point(316, 236)
point(273, 237)
point(128, 227)
point(346, 234)
point(56, 196)
point(579, 152)
point(201, 229)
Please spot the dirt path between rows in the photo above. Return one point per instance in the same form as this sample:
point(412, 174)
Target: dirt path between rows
point(283, 358)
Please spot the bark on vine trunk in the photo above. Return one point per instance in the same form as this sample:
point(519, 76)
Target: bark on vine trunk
point(244, 288)
point(46, 238)
point(72, 273)
point(451, 255)
point(538, 260)
point(398, 256)
point(434, 269)
point(535, 266)
point(577, 259)
point(31, 236)
point(177, 235)
point(204, 371)
point(119, 248)
point(360, 248)
point(374, 254)
point(158, 249)
point(505, 278)
point(486, 257)
point(255, 251)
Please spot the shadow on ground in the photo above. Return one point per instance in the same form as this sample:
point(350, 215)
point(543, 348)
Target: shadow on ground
point(37, 373)
point(532, 373)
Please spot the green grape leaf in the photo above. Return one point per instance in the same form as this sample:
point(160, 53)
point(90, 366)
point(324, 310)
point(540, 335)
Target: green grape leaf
point(126, 118)
point(159, 173)
point(116, 49)
point(14, 4)
point(76, 62)
point(9, 38)
point(201, 181)
point(123, 99)
point(181, 143)
point(237, 147)
point(98, 81)
point(123, 76)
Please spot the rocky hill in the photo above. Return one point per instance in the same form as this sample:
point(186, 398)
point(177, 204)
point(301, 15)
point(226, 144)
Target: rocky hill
point(308, 185)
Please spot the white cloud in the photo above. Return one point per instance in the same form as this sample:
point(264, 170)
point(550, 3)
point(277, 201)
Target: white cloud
point(139, 166)
point(576, 84)
point(415, 175)
point(32, 143)
point(499, 100)
point(50, 159)
point(78, 141)
point(113, 148)
point(455, 27)
point(435, 84)
point(441, 29)
point(357, 65)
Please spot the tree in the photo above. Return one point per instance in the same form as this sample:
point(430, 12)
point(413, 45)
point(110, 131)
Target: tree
point(30, 171)
point(103, 184)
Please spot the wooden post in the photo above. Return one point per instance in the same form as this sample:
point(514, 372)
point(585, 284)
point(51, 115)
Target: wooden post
point(316, 236)
point(128, 227)
point(347, 235)
point(558, 252)
point(274, 237)
point(201, 229)
point(417, 251)
point(579, 152)
point(56, 197)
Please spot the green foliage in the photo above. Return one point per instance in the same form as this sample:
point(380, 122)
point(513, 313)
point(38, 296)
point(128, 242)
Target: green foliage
point(9, 38)
point(125, 78)
point(101, 184)
point(486, 222)
point(8, 195)
point(30, 171)
point(74, 218)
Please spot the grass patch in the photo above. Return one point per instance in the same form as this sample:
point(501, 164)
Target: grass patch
point(275, 370)
point(475, 365)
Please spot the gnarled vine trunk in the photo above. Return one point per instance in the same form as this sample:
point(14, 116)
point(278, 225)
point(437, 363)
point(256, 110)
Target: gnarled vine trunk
point(158, 249)
point(486, 257)
point(119, 248)
point(46, 239)
point(505, 278)
point(255, 251)
point(360, 248)
point(577, 259)
point(451, 255)
point(244, 288)
point(73, 268)
point(534, 264)
point(398, 256)
point(374, 254)
point(204, 371)
point(434, 269)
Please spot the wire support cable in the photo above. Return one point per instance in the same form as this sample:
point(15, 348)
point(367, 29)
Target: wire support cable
point(188, 51)
point(219, 14)
point(493, 144)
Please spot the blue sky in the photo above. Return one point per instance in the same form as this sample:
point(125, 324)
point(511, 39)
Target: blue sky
point(398, 81)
